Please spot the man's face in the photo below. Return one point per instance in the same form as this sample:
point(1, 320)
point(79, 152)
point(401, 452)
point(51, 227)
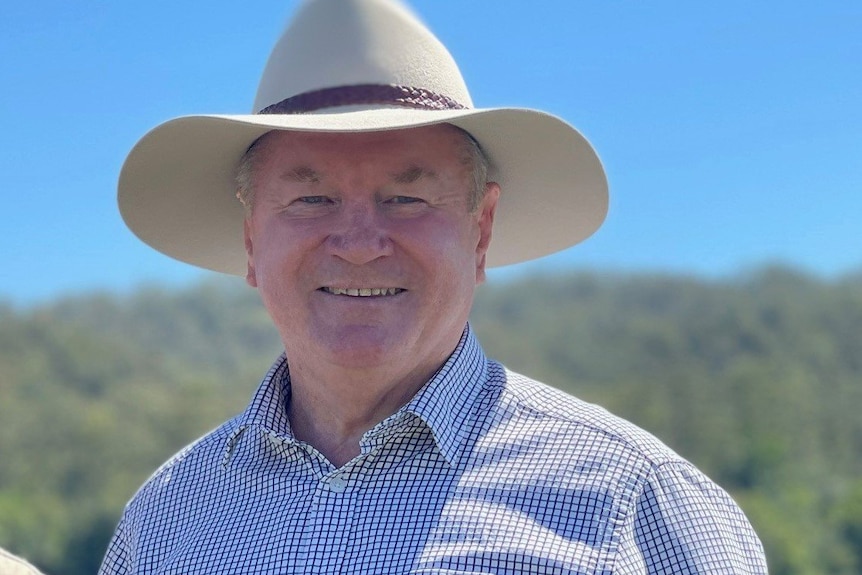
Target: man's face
point(365, 248)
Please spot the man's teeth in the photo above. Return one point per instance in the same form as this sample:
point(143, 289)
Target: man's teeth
point(363, 292)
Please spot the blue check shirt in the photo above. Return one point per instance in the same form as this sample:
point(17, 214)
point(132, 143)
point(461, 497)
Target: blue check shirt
point(483, 471)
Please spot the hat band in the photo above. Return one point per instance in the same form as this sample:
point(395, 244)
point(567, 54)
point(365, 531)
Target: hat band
point(391, 94)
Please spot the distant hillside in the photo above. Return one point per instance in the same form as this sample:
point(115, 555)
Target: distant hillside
point(757, 380)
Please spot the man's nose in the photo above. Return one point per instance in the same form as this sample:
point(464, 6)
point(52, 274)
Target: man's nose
point(361, 235)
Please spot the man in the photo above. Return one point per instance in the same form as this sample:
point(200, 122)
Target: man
point(383, 440)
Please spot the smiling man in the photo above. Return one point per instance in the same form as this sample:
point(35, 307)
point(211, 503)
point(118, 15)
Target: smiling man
point(372, 196)
point(366, 250)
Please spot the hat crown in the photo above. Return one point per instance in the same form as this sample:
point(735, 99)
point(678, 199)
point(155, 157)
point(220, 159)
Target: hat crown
point(334, 43)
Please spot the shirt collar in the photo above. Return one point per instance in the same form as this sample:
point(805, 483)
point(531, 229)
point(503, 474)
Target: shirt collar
point(446, 403)
point(268, 407)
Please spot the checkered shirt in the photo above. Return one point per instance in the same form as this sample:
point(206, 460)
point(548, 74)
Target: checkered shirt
point(483, 471)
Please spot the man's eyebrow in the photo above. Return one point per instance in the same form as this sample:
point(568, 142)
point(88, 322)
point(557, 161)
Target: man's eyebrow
point(301, 174)
point(412, 174)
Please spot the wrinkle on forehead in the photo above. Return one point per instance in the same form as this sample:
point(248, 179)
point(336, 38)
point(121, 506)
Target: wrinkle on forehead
point(304, 174)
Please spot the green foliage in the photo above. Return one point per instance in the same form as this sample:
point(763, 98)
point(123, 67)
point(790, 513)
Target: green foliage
point(755, 379)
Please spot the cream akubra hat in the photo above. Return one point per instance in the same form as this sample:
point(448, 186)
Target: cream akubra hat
point(358, 66)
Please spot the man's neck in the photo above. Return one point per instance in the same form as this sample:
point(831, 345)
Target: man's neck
point(332, 417)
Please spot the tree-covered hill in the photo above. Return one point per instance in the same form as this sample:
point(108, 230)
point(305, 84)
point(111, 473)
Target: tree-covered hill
point(758, 380)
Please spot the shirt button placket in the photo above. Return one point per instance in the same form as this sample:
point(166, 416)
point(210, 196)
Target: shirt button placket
point(331, 523)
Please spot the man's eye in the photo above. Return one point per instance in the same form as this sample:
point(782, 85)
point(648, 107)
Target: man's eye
point(314, 200)
point(404, 200)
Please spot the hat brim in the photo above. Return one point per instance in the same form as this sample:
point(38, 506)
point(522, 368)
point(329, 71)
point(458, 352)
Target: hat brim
point(177, 186)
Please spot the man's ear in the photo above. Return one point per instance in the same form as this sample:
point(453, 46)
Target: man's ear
point(486, 210)
point(250, 277)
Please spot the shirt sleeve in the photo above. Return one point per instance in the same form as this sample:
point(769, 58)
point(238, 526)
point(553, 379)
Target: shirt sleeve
point(683, 523)
point(116, 560)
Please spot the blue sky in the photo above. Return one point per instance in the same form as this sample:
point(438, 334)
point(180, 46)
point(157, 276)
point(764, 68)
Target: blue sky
point(731, 131)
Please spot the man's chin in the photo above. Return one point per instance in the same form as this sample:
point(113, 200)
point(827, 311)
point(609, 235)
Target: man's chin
point(361, 346)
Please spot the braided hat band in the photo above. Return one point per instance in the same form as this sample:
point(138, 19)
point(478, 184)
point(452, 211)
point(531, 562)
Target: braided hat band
point(403, 96)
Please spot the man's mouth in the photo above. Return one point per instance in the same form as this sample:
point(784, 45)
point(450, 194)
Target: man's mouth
point(363, 292)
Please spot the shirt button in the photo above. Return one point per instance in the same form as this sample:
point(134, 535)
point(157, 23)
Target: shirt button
point(274, 439)
point(337, 484)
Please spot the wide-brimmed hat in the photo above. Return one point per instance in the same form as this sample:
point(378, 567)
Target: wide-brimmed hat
point(357, 66)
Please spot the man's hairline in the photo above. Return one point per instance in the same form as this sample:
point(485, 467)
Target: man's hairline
point(475, 156)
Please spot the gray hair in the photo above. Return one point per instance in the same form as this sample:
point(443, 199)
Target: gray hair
point(472, 155)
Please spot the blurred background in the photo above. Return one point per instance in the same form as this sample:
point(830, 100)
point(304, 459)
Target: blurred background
point(720, 307)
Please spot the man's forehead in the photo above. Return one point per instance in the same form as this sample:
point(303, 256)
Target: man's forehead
point(407, 153)
point(306, 174)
